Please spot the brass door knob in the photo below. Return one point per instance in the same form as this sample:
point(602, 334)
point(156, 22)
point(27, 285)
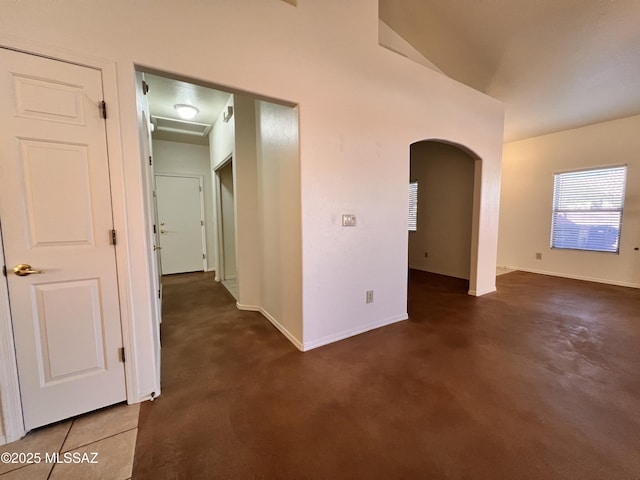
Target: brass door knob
point(24, 269)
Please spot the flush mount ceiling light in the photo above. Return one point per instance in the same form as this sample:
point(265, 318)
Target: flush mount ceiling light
point(186, 111)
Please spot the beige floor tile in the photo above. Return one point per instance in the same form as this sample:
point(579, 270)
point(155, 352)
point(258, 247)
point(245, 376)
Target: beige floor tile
point(114, 460)
point(104, 423)
point(37, 471)
point(43, 440)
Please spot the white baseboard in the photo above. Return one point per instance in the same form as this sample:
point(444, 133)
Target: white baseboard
point(577, 277)
point(350, 333)
point(254, 308)
point(446, 274)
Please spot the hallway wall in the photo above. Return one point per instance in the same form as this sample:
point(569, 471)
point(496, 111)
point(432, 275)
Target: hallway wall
point(280, 220)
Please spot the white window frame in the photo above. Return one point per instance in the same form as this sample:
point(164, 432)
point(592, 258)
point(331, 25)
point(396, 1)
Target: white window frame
point(587, 209)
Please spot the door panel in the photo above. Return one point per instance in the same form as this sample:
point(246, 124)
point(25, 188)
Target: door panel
point(180, 212)
point(55, 205)
point(56, 217)
point(68, 312)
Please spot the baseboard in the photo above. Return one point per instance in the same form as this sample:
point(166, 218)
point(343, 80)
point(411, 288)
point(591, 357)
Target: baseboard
point(274, 322)
point(446, 274)
point(577, 277)
point(350, 333)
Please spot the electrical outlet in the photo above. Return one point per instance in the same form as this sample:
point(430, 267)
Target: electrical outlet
point(369, 296)
point(538, 256)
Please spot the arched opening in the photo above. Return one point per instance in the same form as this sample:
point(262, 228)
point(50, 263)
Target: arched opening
point(446, 180)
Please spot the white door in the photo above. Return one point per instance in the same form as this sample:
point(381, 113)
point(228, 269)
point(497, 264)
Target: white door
point(55, 206)
point(181, 217)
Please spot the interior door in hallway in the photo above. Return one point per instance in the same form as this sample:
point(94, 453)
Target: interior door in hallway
point(55, 205)
point(181, 217)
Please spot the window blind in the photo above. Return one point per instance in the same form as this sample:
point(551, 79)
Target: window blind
point(413, 206)
point(587, 209)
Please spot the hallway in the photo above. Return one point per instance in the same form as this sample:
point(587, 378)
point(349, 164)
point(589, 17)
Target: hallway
point(538, 380)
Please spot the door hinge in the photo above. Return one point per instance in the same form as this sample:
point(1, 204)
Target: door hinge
point(199, 189)
point(154, 228)
point(114, 237)
point(204, 256)
point(4, 270)
point(121, 354)
point(145, 87)
point(103, 109)
point(202, 223)
point(158, 293)
point(150, 160)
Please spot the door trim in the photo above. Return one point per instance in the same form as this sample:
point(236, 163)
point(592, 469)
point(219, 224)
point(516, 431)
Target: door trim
point(220, 274)
point(12, 410)
point(9, 386)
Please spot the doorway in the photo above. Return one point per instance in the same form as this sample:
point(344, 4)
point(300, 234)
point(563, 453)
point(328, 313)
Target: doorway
point(444, 176)
point(226, 226)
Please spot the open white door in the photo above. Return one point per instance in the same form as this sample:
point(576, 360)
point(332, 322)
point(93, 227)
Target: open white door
point(55, 205)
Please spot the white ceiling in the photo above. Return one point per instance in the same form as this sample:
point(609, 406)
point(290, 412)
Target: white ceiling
point(556, 64)
point(164, 93)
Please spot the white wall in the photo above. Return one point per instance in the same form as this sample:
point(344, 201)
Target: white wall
point(360, 107)
point(279, 217)
point(445, 177)
point(527, 194)
point(248, 238)
point(189, 159)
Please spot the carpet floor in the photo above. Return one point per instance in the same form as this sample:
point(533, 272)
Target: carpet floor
point(539, 380)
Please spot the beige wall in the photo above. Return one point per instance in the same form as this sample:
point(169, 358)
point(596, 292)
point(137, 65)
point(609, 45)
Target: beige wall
point(280, 219)
point(188, 159)
point(445, 176)
point(527, 194)
point(249, 255)
point(360, 107)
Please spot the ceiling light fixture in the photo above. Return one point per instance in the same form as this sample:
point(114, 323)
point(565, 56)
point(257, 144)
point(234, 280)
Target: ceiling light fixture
point(186, 111)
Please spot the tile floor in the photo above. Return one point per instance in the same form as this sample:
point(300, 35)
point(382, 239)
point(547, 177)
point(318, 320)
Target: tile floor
point(107, 437)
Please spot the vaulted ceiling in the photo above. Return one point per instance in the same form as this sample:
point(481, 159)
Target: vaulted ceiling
point(557, 64)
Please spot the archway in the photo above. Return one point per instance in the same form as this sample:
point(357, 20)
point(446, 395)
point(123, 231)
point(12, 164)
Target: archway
point(447, 177)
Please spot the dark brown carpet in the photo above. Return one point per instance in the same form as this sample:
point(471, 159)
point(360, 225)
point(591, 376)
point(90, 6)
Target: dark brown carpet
point(540, 380)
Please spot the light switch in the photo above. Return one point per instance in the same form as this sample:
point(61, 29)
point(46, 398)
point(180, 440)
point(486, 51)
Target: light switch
point(348, 220)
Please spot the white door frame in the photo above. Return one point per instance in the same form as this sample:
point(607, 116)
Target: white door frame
point(9, 385)
point(220, 275)
point(202, 216)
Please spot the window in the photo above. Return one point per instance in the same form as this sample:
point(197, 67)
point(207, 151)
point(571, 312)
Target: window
point(587, 209)
point(413, 206)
